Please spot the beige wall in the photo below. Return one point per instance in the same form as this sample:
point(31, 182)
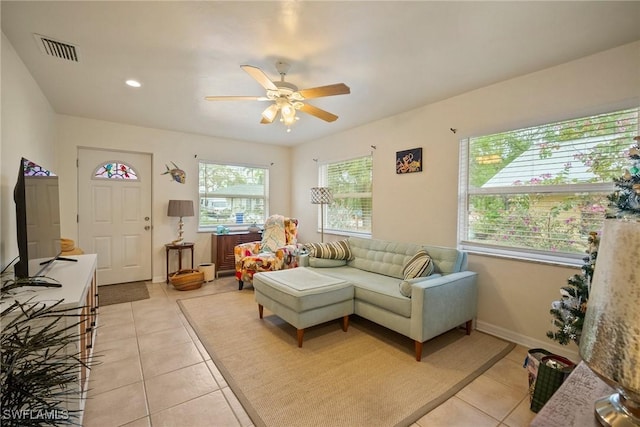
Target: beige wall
point(515, 296)
point(185, 150)
point(28, 130)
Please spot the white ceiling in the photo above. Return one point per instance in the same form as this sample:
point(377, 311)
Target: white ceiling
point(395, 56)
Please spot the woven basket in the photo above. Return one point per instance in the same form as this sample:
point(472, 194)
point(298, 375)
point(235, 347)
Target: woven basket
point(186, 280)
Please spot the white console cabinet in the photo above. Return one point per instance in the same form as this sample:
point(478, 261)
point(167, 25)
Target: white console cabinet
point(79, 290)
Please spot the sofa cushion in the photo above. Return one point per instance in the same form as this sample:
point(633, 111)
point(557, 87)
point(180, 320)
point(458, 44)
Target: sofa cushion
point(372, 288)
point(330, 250)
point(447, 260)
point(382, 257)
point(418, 265)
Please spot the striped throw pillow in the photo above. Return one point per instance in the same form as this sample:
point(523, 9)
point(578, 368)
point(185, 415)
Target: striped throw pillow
point(330, 250)
point(419, 265)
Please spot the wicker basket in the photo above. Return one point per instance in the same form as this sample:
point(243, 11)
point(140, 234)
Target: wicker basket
point(186, 280)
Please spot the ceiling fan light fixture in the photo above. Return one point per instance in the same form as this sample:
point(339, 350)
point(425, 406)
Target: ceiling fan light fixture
point(286, 97)
point(288, 113)
point(271, 112)
point(288, 121)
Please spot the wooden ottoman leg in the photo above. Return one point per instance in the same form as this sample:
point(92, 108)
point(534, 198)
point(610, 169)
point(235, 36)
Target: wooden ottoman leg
point(345, 323)
point(260, 310)
point(469, 325)
point(300, 337)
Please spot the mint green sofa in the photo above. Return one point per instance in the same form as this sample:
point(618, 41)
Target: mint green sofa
point(437, 303)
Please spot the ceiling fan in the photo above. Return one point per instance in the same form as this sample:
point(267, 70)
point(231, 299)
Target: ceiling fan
point(286, 97)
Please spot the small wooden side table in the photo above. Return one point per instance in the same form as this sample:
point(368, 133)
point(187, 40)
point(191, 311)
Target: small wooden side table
point(171, 247)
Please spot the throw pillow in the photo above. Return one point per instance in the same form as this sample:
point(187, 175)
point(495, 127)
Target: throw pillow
point(330, 250)
point(405, 288)
point(419, 265)
point(273, 236)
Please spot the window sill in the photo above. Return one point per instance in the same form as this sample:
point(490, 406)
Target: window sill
point(561, 260)
point(232, 228)
point(346, 233)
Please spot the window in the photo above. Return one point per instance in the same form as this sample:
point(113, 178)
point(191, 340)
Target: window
point(350, 182)
point(231, 195)
point(536, 193)
point(115, 170)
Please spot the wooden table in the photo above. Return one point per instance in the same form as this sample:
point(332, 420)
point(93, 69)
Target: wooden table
point(171, 247)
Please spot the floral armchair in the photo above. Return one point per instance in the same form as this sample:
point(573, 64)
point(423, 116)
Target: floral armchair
point(278, 250)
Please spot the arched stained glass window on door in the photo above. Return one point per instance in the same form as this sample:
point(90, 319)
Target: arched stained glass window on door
point(116, 170)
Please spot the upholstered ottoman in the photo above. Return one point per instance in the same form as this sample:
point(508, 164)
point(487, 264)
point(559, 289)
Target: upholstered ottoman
point(303, 298)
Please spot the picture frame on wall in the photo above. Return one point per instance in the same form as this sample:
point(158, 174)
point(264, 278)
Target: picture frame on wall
point(408, 161)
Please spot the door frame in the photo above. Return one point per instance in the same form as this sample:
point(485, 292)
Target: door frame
point(119, 154)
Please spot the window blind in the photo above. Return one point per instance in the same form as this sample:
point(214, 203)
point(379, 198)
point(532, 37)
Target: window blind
point(351, 184)
point(542, 189)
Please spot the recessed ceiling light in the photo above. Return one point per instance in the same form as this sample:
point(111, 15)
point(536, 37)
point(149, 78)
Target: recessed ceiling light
point(133, 83)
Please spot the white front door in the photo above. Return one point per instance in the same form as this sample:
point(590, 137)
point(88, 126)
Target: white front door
point(114, 208)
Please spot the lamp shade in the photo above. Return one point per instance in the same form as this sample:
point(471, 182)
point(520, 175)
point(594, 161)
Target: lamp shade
point(610, 341)
point(270, 112)
point(321, 196)
point(180, 208)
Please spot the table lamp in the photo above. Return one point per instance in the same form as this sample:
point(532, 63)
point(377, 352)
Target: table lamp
point(610, 341)
point(180, 208)
point(321, 196)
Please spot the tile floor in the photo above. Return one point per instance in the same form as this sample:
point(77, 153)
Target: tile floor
point(155, 372)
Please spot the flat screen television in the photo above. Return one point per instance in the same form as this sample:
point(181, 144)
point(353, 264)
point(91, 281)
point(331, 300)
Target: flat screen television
point(37, 199)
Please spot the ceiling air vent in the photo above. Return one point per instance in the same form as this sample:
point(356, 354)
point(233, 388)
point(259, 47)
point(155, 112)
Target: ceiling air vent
point(57, 48)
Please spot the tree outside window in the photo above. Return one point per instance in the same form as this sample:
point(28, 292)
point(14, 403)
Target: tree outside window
point(544, 188)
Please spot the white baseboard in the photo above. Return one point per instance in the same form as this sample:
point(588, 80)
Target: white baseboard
point(570, 352)
point(158, 279)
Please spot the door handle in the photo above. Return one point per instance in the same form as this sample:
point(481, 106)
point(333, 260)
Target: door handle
point(146, 227)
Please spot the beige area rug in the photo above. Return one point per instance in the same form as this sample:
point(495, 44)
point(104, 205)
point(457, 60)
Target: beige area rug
point(122, 292)
point(367, 376)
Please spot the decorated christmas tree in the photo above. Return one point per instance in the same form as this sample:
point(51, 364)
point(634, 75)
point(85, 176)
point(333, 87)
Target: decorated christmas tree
point(569, 311)
point(624, 202)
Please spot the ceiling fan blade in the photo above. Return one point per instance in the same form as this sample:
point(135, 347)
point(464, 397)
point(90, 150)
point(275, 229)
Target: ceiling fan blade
point(319, 113)
point(259, 76)
point(330, 90)
point(236, 98)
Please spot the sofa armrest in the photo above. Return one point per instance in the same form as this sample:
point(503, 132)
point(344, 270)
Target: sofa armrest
point(442, 303)
point(420, 279)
